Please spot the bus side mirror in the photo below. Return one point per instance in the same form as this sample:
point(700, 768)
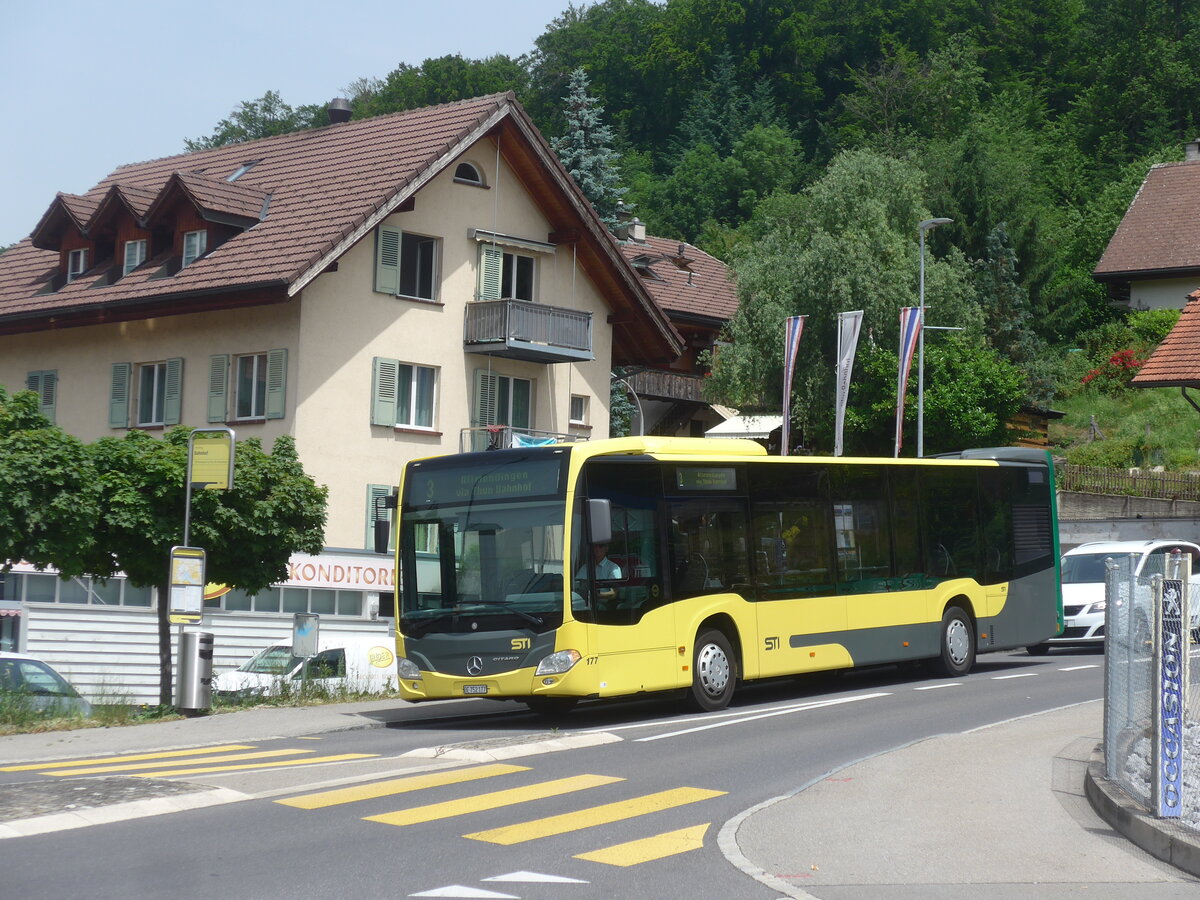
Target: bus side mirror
point(383, 531)
point(600, 520)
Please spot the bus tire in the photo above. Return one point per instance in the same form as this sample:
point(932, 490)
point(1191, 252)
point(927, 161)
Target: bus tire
point(714, 672)
point(957, 643)
point(1038, 649)
point(551, 706)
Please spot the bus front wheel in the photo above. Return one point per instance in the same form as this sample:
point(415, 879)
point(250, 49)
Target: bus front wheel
point(714, 672)
point(958, 644)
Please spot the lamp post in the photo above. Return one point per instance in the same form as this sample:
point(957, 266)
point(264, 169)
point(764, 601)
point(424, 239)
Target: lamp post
point(923, 227)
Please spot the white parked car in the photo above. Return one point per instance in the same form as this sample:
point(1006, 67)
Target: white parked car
point(342, 662)
point(1083, 585)
point(31, 680)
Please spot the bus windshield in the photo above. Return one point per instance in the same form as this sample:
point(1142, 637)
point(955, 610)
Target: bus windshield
point(486, 566)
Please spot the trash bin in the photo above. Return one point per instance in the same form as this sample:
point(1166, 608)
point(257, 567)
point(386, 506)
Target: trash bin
point(193, 681)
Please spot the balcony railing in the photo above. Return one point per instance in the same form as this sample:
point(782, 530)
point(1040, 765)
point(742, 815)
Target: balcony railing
point(518, 329)
point(502, 437)
point(656, 385)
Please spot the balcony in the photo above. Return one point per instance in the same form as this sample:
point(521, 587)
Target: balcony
point(502, 437)
point(657, 385)
point(518, 329)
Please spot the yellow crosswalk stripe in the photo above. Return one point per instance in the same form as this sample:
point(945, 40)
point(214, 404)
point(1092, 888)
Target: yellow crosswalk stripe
point(165, 763)
point(127, 758)
point(493, 800)
point(398, 786)
point(597, 815)
point(648, 849)
point(307, 761)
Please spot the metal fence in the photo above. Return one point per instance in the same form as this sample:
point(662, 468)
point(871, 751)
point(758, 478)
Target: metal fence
point(1132, 657)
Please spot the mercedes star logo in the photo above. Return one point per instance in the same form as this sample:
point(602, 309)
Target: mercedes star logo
point(474, 665)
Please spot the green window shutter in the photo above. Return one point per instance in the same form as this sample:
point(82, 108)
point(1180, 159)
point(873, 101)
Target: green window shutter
point(484, 412)
point(276, 383)
point(387, 260)
point(491, 265)
point(173, 392)
point(45, 384)
point(218, 387)
point(375, 497)
point(118, 395)
point(384, 379)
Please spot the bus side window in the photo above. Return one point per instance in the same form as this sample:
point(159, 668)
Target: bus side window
point(709, 551)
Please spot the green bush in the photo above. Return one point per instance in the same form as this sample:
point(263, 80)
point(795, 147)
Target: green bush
point(1152, 325)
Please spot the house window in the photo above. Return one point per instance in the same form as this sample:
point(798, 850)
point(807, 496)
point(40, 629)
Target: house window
point(40, 588)
point(135, 255)
point(250, 401)
point(77, 261)
point(579, 406)
point(152, 393)
point(158, 396)
point(403, 394)
point(406, 264)
point(503, 400)
point(466, 173)
point(504, 275)
point(194, 245)
point(259, 385)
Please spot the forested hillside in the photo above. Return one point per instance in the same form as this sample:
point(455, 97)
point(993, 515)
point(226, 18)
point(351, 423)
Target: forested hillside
point(802, 142)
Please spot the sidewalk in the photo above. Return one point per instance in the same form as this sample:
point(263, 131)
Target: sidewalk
point(997, 813)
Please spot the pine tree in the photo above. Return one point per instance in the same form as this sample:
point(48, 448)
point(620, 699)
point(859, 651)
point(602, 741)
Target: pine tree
point(586, 151)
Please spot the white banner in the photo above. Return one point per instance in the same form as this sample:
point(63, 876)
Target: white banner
point(849, 326)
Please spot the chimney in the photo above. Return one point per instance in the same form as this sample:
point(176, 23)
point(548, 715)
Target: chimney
point(637, 230)
point(338, 110)
point(1191, 150)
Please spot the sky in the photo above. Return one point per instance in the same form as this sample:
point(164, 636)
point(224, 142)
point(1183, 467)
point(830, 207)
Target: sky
point(90, 86)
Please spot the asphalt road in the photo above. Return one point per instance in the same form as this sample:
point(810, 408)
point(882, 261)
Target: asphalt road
point(637, 815)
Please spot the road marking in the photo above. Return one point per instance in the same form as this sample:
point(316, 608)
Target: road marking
point(166, 763)
point(307, 761)
point(461, 892)
point(659, 846)
point(1018, 675)
point(804, 707)
point(535, 878)
point(1077, 668)
point(597, 815)
point(493, 800)
point(129, 758)
point(934, 687)
point(397, 786)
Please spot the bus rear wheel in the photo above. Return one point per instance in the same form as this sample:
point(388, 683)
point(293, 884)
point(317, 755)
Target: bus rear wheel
point(714, 672)
point(958, 644)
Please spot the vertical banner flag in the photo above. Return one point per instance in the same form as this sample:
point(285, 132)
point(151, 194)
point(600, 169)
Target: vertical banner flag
point(793, 328)
point(849, 325)
point(910, 328)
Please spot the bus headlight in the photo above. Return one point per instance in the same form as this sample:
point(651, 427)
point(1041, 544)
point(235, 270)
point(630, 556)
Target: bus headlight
point(558, 663)
point(407, 669)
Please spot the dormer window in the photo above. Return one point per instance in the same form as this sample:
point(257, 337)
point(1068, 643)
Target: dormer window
point(194, 245)
point(242, 170)
point(77, 263)
point(135, 255)
point(466, 173)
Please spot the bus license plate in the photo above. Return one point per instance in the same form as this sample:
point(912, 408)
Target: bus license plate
point(475, 688)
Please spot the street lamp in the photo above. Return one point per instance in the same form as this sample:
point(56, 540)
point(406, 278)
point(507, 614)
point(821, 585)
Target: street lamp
point(923, 227)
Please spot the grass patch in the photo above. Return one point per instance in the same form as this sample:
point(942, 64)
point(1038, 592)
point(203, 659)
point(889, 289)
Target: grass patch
point(1140, 427)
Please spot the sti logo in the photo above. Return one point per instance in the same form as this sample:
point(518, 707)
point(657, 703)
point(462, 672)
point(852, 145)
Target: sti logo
point(520, 643)
point(771, 643)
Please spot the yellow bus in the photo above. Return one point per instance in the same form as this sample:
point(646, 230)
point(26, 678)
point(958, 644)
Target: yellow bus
point(611, 568)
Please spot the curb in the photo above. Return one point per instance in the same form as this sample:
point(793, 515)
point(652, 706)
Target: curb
point(1162, 838)
point(119, 812)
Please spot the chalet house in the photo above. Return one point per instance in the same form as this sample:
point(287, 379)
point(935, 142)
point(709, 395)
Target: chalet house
point(383, 289)
point(697, 294)
point(1153, 258)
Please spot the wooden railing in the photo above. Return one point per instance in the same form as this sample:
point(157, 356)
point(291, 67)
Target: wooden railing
point(658, 385)
point(1129, 482)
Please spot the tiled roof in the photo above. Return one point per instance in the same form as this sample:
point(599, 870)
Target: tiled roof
point(1176, 361)
point(682, 279)
point(321, 190)
point(1160, 232)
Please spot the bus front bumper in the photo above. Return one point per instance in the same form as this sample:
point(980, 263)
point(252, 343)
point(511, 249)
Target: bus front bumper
point(514, 685)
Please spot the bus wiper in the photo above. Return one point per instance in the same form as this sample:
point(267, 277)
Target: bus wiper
point(528, 617)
